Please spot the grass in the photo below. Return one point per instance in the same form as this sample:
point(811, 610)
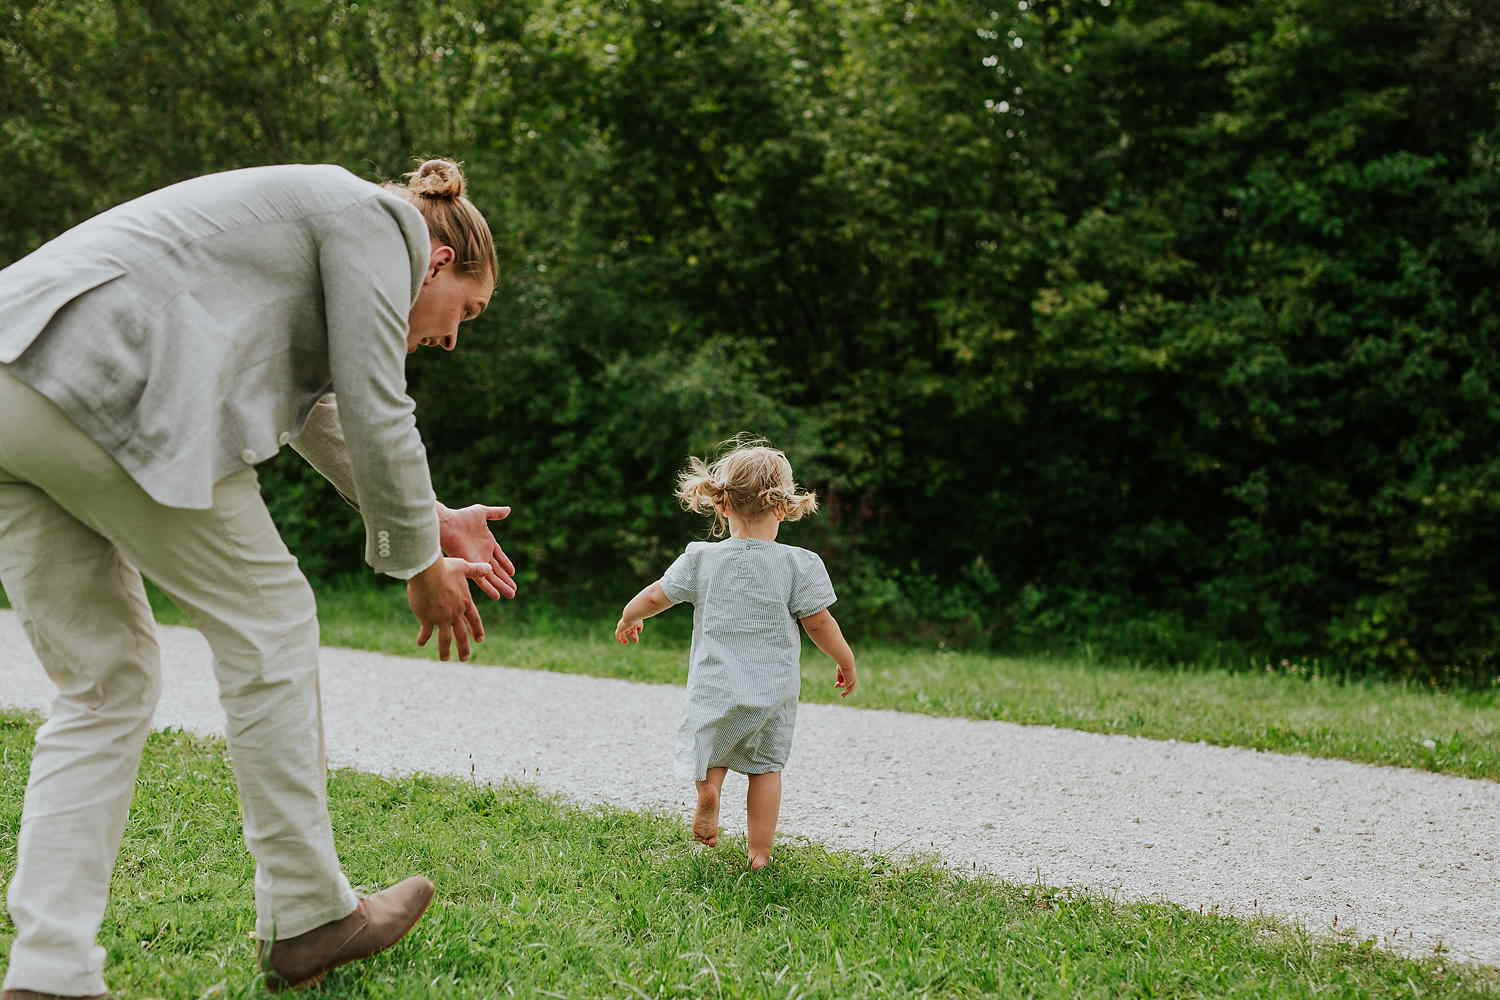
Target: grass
point(540, 899)
point(1287, 709)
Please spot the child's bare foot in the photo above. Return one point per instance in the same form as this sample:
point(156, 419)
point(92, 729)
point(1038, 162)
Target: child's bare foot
point(706, 816)
point(759, 861)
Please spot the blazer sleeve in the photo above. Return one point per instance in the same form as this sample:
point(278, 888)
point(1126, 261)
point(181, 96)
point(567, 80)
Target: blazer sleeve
point(321, 443)
point(367, 275)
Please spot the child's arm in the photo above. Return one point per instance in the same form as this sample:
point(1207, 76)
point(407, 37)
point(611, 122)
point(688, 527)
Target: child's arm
point(650, 601)
point(824, 631)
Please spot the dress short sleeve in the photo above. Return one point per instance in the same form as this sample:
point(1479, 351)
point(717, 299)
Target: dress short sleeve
point(680, 582)
point(812, 591)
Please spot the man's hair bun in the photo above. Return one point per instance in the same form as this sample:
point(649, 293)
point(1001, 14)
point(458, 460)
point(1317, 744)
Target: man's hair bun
point(439, 179)
point(436, 190)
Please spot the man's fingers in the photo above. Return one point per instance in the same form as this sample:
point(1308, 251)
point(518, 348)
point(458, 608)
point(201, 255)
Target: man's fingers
point(424, 635)
point(502, 560)
point(445, 641)
point(477, 571)
point(486, 583)
point(485, 577)
point(475, 623)
point(496, 513)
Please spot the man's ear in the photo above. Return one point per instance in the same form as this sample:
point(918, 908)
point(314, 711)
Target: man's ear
point(442, 256)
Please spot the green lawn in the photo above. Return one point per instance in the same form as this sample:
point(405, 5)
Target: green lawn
point(1293, 712)
point(539, 899)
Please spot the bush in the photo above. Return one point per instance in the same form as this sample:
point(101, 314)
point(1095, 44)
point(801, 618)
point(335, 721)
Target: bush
point(1167, 325)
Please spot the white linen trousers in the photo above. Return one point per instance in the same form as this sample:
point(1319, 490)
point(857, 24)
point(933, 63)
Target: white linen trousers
point(76, 532)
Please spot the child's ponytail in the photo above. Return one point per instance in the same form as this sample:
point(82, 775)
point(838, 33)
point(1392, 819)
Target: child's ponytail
point(697, 492)
point(795, 505)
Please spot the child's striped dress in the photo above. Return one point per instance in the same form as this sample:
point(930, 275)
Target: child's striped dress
point(744, 674)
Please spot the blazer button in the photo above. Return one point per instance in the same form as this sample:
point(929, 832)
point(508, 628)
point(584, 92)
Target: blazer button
point(283, 437)
point(247, 456)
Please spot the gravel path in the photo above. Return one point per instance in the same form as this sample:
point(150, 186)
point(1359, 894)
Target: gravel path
point(1404, 856)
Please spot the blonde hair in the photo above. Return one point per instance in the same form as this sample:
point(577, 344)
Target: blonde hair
point(749, 479)
point(437, 188)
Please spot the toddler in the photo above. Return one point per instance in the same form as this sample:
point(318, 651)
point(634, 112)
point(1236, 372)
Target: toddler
point(748, 593)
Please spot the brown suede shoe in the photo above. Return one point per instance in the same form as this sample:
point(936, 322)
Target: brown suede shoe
point(377, 923)
point(34, 995)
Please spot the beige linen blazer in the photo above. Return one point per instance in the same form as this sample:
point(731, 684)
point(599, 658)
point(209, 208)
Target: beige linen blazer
point(190, 333)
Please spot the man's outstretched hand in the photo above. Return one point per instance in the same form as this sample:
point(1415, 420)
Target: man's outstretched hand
point(439, 597)
point(465, 534)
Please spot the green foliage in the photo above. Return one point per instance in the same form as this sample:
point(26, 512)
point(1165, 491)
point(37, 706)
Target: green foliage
point(1162, 323)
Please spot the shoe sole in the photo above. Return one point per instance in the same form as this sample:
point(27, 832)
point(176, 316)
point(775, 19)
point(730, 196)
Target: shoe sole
point(315, 980)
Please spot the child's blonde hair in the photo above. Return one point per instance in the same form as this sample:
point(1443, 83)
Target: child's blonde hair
point(749, 479)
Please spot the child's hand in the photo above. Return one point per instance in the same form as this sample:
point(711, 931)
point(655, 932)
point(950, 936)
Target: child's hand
point(628, 630)
point(845, 680)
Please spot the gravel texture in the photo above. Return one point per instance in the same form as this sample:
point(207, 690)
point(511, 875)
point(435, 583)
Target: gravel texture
point(1404, 856)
